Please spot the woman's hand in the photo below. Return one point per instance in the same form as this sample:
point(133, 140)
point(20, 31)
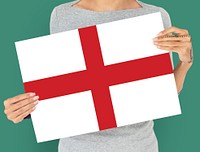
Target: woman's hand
point(18, 107)
point(180, 43)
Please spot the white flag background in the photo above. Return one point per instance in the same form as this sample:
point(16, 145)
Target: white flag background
point(120, 41)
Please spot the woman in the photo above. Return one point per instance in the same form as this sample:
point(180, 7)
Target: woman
point(138, 137)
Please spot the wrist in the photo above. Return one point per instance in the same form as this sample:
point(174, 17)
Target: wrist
point(185, 65)
point(187, 60)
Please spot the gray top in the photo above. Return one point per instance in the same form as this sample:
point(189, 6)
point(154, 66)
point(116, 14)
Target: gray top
point(138, 137)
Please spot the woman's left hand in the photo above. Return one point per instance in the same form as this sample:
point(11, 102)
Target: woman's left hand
point(180, 43)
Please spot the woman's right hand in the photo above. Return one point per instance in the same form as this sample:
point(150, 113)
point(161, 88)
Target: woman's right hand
point(18, 107)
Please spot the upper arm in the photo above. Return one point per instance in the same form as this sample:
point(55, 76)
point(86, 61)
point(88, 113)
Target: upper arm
point(53, 22)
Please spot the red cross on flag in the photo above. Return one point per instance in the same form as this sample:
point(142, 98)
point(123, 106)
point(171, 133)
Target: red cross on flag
point(98, 77)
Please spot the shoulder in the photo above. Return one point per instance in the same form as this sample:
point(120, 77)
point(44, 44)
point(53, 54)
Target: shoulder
point(165, 14)
point(58, 15)
point(62, 8)
point(154, 7)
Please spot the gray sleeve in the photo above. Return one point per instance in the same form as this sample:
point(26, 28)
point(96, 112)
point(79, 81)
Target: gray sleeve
point(167, 23)
point(53, 22)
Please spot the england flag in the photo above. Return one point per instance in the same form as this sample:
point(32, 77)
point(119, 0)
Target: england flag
point(98, 77)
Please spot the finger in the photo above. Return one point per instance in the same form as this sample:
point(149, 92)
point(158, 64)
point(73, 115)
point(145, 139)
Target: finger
point(20, 104)
point(173, 29)
point(22, 116)
point(169, 48)
point(172, 43)
point(173, 38)
point(22, 110)
point(20, 97)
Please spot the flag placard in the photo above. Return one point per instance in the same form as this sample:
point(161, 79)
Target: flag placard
point(98, 77)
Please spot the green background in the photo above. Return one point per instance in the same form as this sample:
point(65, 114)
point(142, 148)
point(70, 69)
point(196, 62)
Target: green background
point(26, 19)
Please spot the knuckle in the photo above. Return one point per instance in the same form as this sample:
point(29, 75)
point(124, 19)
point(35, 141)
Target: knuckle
point(5, 111)
point(9, 117)
point(15, 121)
point(186, 31)
point(6, 102)
point(189, 38)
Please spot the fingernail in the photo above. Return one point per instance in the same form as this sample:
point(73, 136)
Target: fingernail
point(36, 97)
point(36, 102)
point(31, 94)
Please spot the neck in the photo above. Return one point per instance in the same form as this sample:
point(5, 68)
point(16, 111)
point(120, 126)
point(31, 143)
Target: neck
point(109, 5)
point(114, 3)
